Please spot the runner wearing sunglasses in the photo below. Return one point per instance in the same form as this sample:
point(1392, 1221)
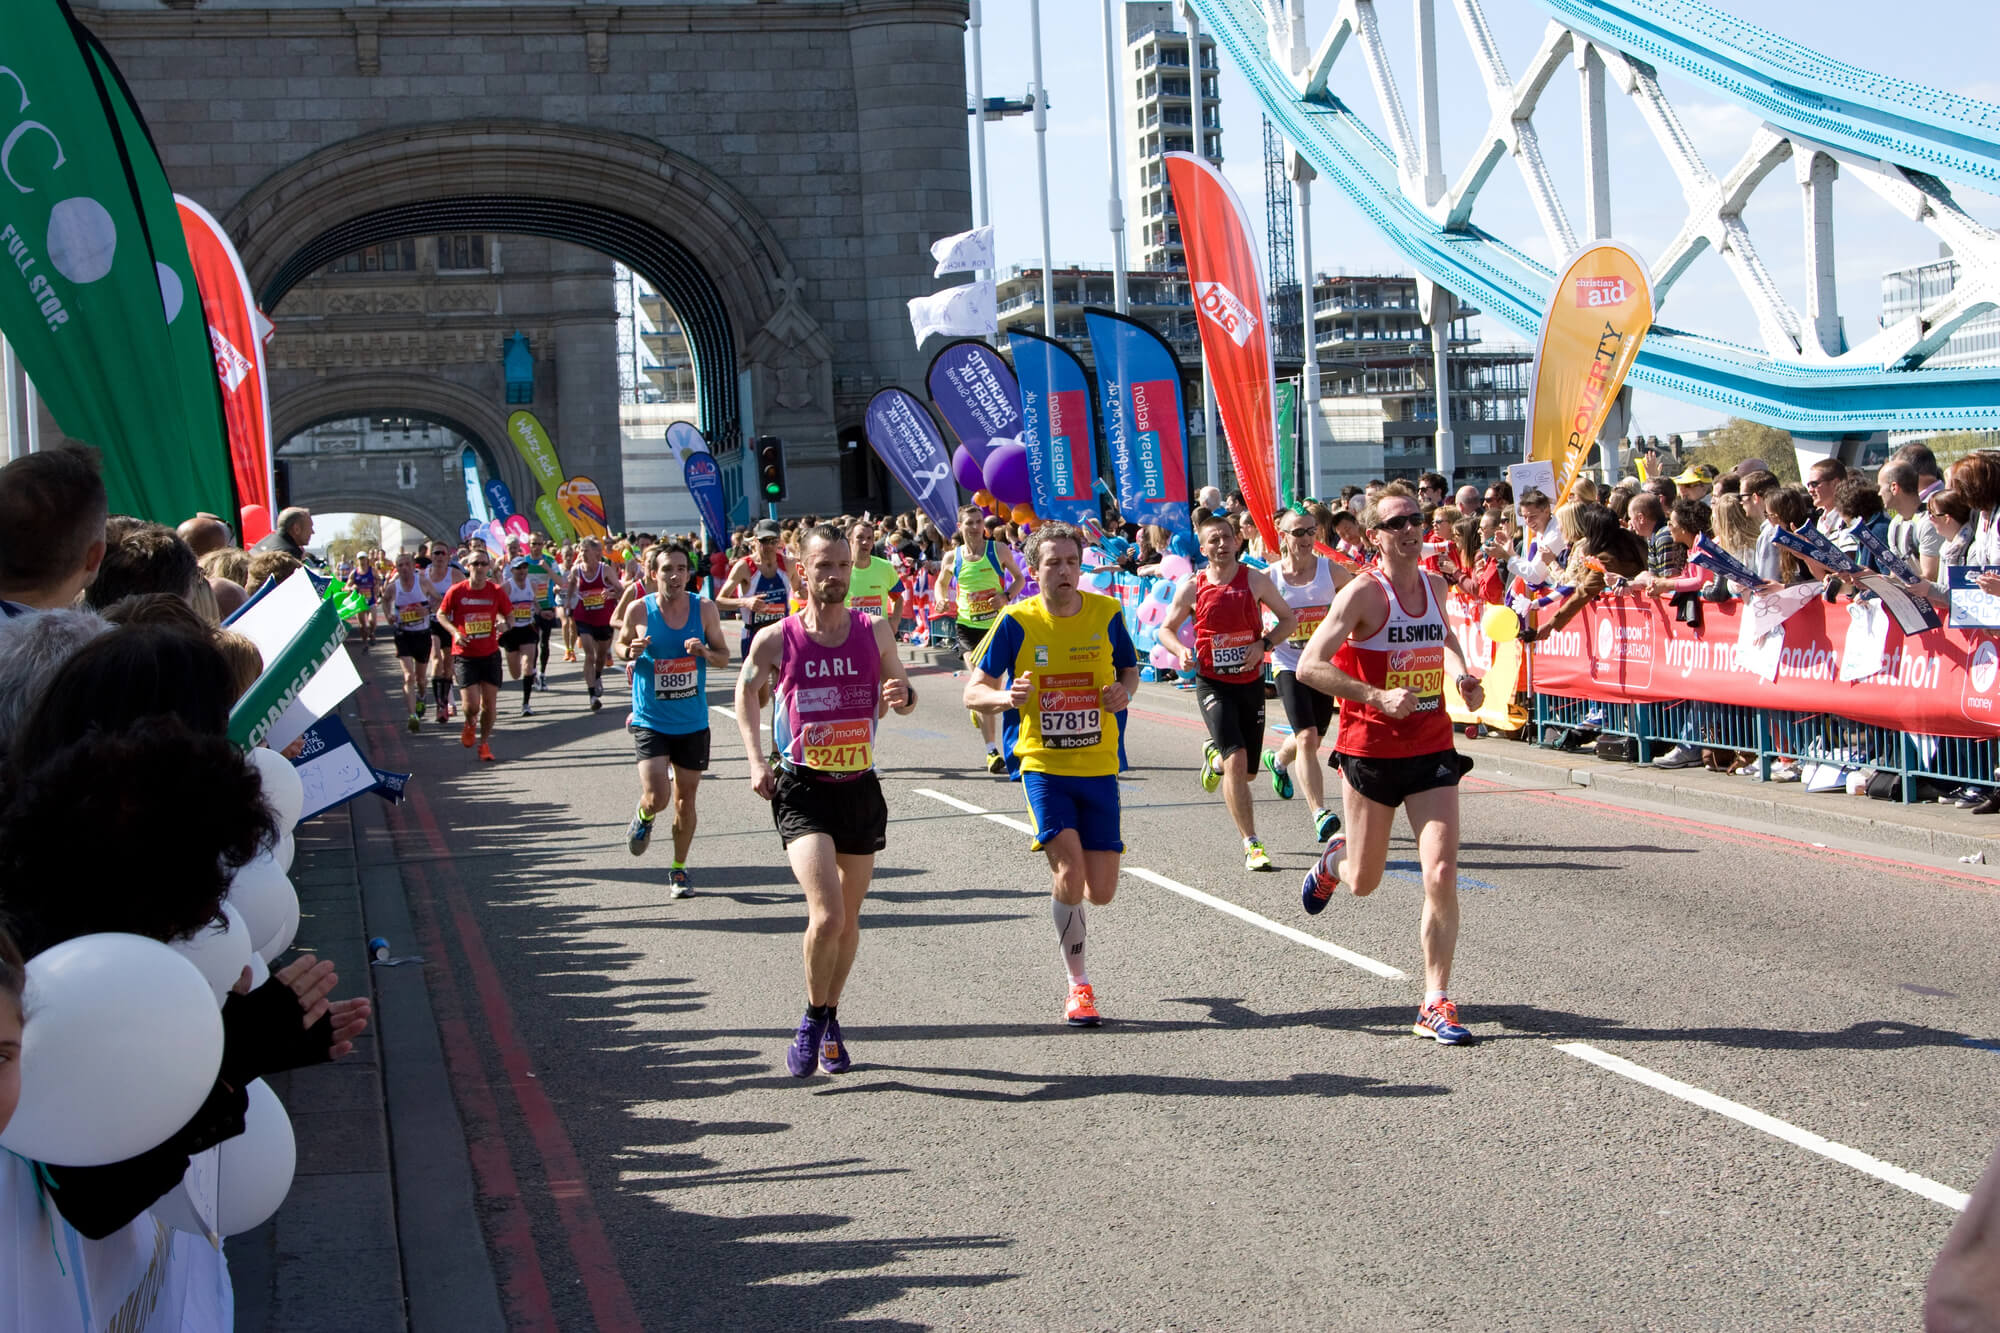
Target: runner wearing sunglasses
point(1383, 651)
point(475, 614)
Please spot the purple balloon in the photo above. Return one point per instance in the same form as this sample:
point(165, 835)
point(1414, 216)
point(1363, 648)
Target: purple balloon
point(966, 469)
point(1006, 474)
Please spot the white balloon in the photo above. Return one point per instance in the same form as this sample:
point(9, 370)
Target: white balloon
point(220, 952)
point(255, 1170)
point(265, 897)
point(285, 851)
point(260, 971)
point(283, 791)
point(281, 940)
point(124, 1038)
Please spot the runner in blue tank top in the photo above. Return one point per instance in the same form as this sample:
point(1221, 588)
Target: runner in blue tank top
point(671, 640)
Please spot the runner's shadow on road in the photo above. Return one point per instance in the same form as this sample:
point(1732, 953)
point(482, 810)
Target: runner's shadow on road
point(1873, 1035)
point(1005, 1086)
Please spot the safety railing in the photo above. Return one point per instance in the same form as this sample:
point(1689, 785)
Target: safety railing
point(1771, 735)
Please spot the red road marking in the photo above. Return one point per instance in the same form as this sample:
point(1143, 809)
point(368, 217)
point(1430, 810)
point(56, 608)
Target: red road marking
point(1749, 838)
point(522, 1282)
point(610, 1300)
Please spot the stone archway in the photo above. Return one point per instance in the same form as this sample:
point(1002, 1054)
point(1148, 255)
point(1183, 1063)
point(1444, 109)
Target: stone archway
point(471, 414)
point(424, 518)
point(685, 228)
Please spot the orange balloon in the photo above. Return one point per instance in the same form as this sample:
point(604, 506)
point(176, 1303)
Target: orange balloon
point(1024, 513)
point(984, 499)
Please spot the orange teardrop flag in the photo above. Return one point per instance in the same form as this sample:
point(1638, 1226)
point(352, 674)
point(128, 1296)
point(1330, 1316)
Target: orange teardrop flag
point(1596, 319)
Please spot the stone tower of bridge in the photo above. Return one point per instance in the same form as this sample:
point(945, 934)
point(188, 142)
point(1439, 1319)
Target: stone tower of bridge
point(776, 169)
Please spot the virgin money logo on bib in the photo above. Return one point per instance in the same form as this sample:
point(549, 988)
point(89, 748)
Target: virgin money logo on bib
point(1225, 311)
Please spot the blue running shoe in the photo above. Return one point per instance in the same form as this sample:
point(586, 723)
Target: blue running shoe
point(1439, 1019)
point(833, 1055)
point(1326, 823)
point(803, 1055)
point(1323, 880)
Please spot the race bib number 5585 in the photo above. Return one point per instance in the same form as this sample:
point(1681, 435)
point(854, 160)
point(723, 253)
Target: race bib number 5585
point(1230, 651)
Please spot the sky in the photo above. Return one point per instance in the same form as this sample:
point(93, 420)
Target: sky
point(1951, 47)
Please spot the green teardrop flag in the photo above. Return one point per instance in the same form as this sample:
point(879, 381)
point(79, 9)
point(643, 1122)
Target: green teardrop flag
point(97, 295)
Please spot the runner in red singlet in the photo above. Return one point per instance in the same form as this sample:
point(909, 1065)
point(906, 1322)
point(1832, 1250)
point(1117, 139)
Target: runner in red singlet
point(592, 596)
point(1227, 600)
point(1383, 651)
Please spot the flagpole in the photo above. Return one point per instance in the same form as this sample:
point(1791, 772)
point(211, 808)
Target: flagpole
point(1042, 170)
point(979, 204)
point(1120, 296)
point(23, 425)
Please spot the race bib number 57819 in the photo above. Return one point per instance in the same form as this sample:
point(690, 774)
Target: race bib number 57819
point(1069, 716)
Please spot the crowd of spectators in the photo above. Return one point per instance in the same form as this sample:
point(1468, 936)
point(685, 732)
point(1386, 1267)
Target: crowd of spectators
point(124, 807)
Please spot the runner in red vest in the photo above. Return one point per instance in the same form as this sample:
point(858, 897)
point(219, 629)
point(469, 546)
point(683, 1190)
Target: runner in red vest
point(1383, 651)
point(592, 596)
point(1227, 600)
point(475, 614)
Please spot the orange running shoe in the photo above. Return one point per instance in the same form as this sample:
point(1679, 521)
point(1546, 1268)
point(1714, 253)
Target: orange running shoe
point(466, 737)
point(485, 753)
point(1081, 1011)
point(569, 654)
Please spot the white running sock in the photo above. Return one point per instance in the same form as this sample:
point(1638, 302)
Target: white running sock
point(1431, 997)
point(1069, 936)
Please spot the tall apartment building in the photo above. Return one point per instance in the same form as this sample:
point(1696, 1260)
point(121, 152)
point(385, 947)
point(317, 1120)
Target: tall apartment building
point(1172, 105)
point(1905, 291)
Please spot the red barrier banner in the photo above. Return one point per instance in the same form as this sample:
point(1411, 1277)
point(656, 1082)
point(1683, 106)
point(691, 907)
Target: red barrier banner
point(1628, 649)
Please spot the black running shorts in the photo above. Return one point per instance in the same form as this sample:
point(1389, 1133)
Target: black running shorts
point(1234, 712)
point(470, 671)
point(414, 643)
point(1391, 781)
point(1304, 706)
point(524, 636)
point(969, 639)
point(442, 635)
point(687, 750)
point(601, 633)
point(851, 812)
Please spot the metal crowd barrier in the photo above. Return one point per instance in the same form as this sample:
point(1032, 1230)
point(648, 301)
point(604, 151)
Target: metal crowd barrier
point(1772, 734)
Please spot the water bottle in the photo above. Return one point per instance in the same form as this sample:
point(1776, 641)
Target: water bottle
point(378, 949)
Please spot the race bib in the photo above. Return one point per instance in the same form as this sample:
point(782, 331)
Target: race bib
point(981, 603)
point(1070, 714)
point(846, 746)
point(1309, 618)
point(523, 614)
point(673, 678)
point(767, 613)
point(478, 627)
point(413, 615)
point(874, 606)
point(1230, 651)
point(594, 600)
point(539, 584)
point(1420, 671)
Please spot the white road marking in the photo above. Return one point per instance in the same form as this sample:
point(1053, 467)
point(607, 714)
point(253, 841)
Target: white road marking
point(1362, 961)
point(1776, 1128)
point(730, 713)
point(972, 809)
point(952, 801)
point(1223, 905)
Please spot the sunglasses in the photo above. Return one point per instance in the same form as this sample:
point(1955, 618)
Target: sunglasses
point(482, 564)
point(1398, 523)
point(1301, 532)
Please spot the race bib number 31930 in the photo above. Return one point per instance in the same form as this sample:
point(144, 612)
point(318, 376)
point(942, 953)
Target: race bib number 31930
point(1069, 714)
point(1421, 672)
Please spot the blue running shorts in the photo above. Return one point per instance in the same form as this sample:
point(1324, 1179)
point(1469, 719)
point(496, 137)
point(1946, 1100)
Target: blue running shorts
point(1088, 805)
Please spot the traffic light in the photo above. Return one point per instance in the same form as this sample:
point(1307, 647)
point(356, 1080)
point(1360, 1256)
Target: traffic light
point(771, 468)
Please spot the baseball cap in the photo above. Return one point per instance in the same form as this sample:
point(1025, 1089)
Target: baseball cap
point(766, 527)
